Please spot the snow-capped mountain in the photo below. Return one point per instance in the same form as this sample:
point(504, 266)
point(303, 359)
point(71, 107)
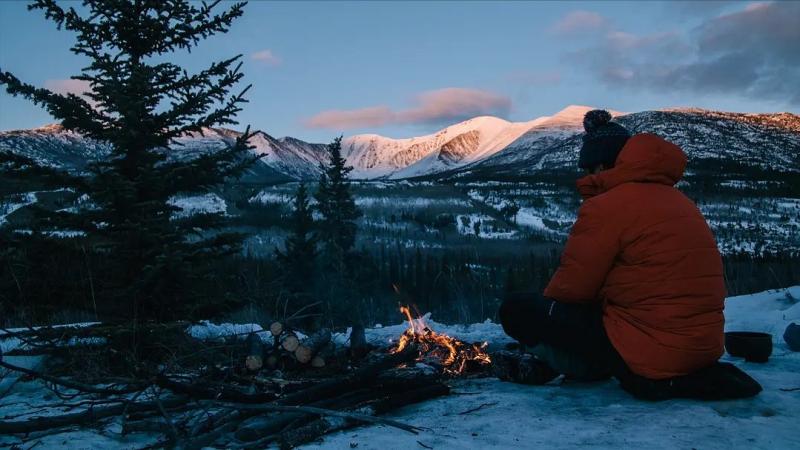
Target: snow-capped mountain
point(711, 139)
point(374, 156)
point(54, 146)
point(482, 147)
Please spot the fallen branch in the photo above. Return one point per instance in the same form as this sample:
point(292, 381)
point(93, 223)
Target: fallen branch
point(257, 428)
point(87, 388)
point(481, 406)
point(88, 416)
point(204, 391)
point(316, 429)
point(355, 380)
point(226, 423)
point(328, 412)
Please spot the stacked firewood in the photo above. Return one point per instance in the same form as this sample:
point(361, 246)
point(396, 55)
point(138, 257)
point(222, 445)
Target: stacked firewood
point(289, 348)
point(289, 391)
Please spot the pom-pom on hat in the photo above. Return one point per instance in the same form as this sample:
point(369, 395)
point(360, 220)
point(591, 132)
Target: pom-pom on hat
point(603, 140)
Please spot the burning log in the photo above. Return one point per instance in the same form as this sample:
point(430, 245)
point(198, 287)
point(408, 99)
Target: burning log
point(312, 345)
point(454, 355)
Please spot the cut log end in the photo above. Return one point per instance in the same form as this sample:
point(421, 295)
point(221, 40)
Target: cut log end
point(312, 345)
point(303, 354)
point(253, 363)
point(276, 328)
point(290, 343)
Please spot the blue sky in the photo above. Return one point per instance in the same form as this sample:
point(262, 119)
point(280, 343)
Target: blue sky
point(399, 69)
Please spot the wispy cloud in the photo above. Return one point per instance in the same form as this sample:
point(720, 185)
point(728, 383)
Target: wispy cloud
point(750, 52)
point(432, 107)
point(70, 86)
point(374, 116)
point(580, 21)
point(698, 8)
point(267, 57)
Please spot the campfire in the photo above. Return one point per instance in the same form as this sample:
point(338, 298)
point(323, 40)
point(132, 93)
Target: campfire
point(455, 357)
point(274, 386)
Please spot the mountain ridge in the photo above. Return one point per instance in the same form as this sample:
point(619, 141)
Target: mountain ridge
point(480, 143)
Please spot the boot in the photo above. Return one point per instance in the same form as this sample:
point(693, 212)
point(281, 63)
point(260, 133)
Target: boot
point(522, 368)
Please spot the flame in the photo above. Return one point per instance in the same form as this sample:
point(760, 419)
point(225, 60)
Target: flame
point(455, 355)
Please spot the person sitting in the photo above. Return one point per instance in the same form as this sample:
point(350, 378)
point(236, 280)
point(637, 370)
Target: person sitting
point(639, 293)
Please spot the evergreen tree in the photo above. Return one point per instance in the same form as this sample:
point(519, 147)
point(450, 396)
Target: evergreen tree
point(300, 250)
point(337, 228)
point(337, 234)
point(140, 102)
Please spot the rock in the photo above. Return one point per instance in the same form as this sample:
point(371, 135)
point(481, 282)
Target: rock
point(792, 337)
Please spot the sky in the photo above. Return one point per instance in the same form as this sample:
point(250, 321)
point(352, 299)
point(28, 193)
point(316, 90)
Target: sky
point(401, 69)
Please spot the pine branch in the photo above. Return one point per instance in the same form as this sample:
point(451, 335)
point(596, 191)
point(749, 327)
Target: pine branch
point(74, 112)
point(21, 167)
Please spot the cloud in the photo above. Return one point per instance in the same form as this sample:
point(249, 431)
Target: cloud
point(70, 86)
point(437, 107)
point(267, 57)
point(375, 116)
point(751, 52)
point(580, 21)
point(697, 8)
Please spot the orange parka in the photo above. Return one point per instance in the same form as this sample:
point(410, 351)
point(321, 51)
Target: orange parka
point(644, 250)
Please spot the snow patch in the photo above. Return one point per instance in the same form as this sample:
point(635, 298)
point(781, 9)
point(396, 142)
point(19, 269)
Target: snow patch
point(197, 204)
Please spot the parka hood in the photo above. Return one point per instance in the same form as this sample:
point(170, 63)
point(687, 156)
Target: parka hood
point(645, 158)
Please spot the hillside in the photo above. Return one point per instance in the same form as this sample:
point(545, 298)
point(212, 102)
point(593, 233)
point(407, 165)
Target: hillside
point(282, 159)
point(483, 147)
point(739, 143)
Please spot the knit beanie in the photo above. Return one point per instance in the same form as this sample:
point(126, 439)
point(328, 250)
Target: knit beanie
point(603, 140)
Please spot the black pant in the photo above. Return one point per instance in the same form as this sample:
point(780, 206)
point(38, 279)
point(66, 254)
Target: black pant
point(574, 329)
point(577, 330)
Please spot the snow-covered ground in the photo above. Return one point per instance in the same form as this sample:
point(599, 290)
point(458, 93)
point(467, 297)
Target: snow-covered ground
point(197, 204)
point(487, 413)
point(600, 415)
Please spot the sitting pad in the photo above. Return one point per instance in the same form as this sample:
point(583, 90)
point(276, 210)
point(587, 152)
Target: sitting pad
point(720, 381)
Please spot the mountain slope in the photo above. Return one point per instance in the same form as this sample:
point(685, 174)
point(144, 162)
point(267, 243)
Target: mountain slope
point(374, 156)
point(712, 140)
point(54, 146)
point(482, 147)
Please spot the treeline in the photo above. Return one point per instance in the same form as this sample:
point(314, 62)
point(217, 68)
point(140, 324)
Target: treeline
point(57, 280)
point(745, 273)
